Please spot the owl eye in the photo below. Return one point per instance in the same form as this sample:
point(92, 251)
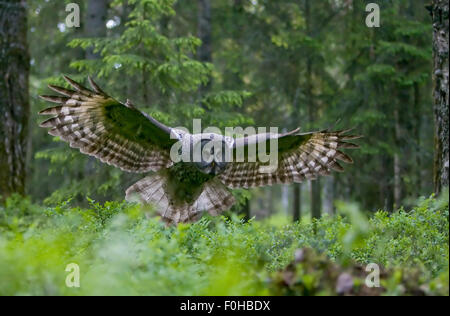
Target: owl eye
point(207, 154)
point(218, 155)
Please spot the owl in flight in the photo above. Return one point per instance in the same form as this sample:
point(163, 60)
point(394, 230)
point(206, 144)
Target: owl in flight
point(120, 135)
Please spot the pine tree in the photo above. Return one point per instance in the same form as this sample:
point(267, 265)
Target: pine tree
point(162, 77)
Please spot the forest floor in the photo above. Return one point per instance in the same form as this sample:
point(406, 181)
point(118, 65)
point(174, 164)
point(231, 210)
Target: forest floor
point(118, 249)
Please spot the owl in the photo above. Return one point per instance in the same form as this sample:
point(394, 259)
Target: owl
point(187, 174)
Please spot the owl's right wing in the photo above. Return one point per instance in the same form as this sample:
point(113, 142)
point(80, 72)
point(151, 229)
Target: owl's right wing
point(117, 134)
point(300, 156)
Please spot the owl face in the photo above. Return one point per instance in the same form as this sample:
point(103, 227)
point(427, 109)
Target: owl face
point(210, 155)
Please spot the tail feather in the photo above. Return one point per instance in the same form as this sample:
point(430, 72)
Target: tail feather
point(214, 199)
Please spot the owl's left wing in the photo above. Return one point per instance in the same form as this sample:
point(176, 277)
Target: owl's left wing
point(301, 156)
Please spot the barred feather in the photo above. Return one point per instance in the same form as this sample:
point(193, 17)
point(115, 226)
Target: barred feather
point(102, 127)
point(317, 155)
point(214, 198)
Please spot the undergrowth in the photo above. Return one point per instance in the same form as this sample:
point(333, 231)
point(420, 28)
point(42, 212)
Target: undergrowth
point(122, 250)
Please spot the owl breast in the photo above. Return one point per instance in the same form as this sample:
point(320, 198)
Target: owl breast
point(211, 156)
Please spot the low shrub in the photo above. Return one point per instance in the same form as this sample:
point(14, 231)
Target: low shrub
point(121, 250)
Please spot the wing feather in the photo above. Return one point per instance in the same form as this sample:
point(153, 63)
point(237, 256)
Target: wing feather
point(102, 127)
point(301, 157)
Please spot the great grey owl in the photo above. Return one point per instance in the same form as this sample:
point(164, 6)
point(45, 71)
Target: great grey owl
point(121, 135)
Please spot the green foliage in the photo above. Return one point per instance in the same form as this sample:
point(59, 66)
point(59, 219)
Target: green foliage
point(273, 64)
point(143, 61)
point(385, 92)
point(284, 63)
point(121, 250)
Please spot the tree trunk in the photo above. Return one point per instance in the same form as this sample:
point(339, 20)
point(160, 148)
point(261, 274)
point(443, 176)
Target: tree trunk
point(297, 187)
point(270, 204)
point(285, 198)
point(204, 53)
point(97, 12)
point(397, 182)
point(297, 192)
point(417, 135)
point(316, 203)
point(14, 98)
point(386, 195)
point(316, 199)
point(439, 12)
point(328, 190)
point(397, 163)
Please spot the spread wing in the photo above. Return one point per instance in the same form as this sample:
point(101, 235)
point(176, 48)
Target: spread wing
point(100, 126)
point(300, 157)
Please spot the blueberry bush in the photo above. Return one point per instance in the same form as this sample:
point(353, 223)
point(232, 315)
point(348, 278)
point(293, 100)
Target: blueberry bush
point(122, 249)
